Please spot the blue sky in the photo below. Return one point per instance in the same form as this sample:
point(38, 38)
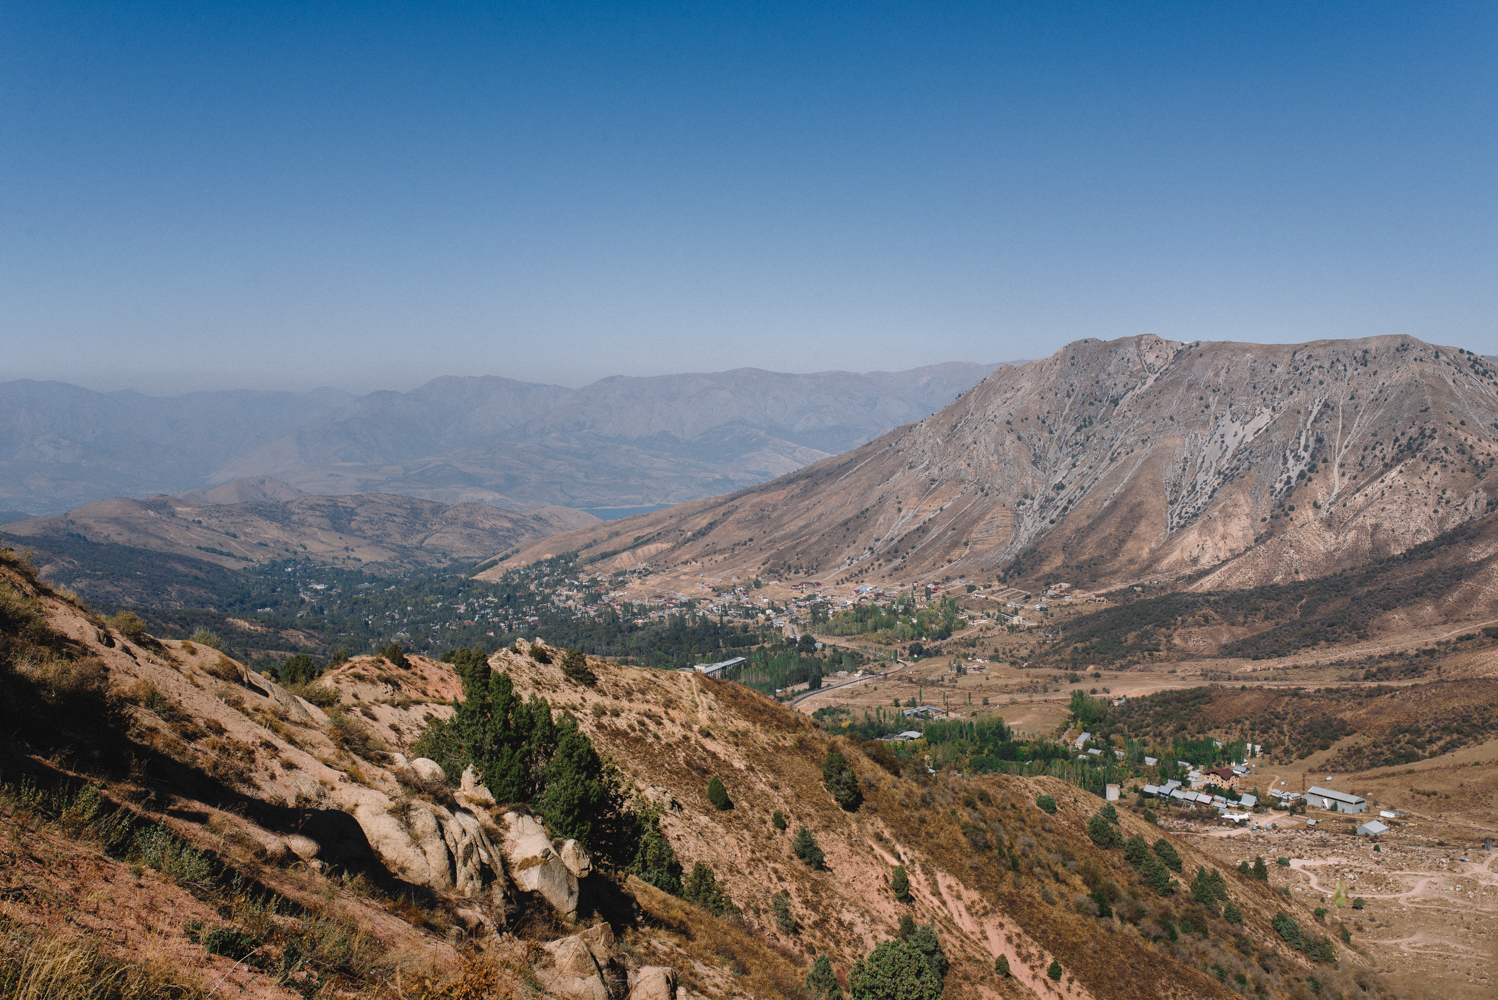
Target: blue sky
point(369, 195)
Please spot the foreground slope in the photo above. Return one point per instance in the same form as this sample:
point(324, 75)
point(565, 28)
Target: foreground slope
point(296, 829)
point(1237, 464)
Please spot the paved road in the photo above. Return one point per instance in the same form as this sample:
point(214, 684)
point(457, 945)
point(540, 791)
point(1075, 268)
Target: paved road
point(859, 680)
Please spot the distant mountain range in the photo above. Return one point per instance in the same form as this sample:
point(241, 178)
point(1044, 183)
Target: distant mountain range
point(620, 442)
point(1220, 464)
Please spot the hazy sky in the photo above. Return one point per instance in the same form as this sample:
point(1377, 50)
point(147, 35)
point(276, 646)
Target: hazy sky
point(367, 195)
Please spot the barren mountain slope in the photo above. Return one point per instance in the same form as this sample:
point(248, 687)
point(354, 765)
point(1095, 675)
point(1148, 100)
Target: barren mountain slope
point(313, 806)
point(1111, 462)
point(368, 528)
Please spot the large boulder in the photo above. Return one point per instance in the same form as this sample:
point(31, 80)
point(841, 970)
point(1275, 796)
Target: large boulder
point(535, 865)
point(654, 982)
point(575, 972)
point(576, 859)
point(428, 771)
point(427, 844)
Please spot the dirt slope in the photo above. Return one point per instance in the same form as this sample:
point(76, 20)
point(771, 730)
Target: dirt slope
point(283, 793)
point(1111, 462)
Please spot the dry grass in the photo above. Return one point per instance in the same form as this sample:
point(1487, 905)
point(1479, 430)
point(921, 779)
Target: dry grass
point(52, 965)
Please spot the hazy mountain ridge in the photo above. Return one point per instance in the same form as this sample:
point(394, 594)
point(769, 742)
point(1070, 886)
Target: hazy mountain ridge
point(1108, 462)
point(622, 441)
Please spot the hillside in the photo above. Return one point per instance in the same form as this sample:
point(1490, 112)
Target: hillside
point(291, 830)
point(216, 528)
point(621, 442)
point(1226, 465)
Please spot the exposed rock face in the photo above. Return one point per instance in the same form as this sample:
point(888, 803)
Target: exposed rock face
point(576, 973)
point(662, 797)
point(576, 859)
point(474, 791)
point(654, 982)
point(447, 850)
point(428, 771)
point(1113, 462)
point(535, 865)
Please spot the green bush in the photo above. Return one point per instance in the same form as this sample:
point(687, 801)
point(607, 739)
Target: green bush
point(575, 668)
point(1156, 874)
point(1288, 929)
point(231, 942)
point(1282, 862)
point(821, 981)
point(1357, 903)
point(1167, 853)
point(894, 969)
point(1047, 803)
point(717, 794)
point(1232, 914)
point(203, 637)
point(396, 654)
point(128, 624)
point(841, 781)
point(1109, 813)
point(1001, 966)
point(1136, 849)
point(1054, 970)
point(780, 904)
point(899, 884)
point(777, 820)
point(653, 859)
point(159, 849)
point(1103, 833)
point(299, 671)
point(701, 887)
point(804, 844)
point(1261, 870)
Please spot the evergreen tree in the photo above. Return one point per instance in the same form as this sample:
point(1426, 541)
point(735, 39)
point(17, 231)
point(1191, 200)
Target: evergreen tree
point(1109, 813)
point(1261, 870)
point(1232, 914)
point(1001, 966)
point(717, 794)
point(806, 848)
point(841, 781)
point(777, 820)
point(701, 887)
point(820, 980)
point(1167, 853)
point(899, 883)
point(577, 791)
point(1054, 970)
point(1136, 849)
point(1103, 833)
point(924, 937)
point(780, 904)
point(654, 859)
point(1156, 874)
point(894, 970)
point(1047, 803)
point(575, 668)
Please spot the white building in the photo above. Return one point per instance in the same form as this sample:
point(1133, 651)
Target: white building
point(1329, 798)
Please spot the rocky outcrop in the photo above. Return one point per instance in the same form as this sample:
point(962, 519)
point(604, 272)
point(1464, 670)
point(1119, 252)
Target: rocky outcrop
point(584, 964)
point(576, 859)
point(445, 849)
point(654, 982)
point(428, 771)
point(473, 791)
point(535, 865)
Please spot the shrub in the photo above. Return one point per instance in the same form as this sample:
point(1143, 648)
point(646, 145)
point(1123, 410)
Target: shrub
point(1103, 833)
point(1047, 803)
point(717, 794)
point(1288, 929)
point(653, 859)
point(1151, 818)
point(160, 850)
point(1167, 853)
point(701, 887)
point(1109, 813)
point(128, 624)
point(1282, 862)
point(1344, 933)
point(299, 670)
point(203, 637)
point(1322, 950)
point(1156, 874)
point(1261, 870)
point(777, 820)
point(225, 669)
point(1357, 903)
point(1136, 849)
point(780, 903)
point(319, 694)
point(1319, 913)
point(804, 844)
point(1001, 966)
point(396, 654)
point(1054, 970)
point(820, 980)
point(232, 942)
point(539, 654)
point(899, 884)
point(575, 668)
point(841, 781)
point(894, 969)
point(1232, 914)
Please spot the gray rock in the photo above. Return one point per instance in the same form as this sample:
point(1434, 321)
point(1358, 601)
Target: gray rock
point(428, 771)
point(576, 859)
point(473, 790)
point(654, 982)
point(535, 865)
point(659, 796)
point(427, 844)
point(576, 972)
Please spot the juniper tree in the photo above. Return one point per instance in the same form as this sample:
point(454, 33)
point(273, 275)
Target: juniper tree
point(840, 779)
point(806, 848)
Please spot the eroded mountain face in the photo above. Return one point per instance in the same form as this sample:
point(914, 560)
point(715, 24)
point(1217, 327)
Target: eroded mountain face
point(1112, 461)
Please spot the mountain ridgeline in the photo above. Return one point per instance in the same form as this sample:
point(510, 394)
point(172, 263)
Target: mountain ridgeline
point(1229, 464)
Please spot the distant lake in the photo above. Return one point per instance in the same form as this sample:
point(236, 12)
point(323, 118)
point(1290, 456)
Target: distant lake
point(615, 513)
